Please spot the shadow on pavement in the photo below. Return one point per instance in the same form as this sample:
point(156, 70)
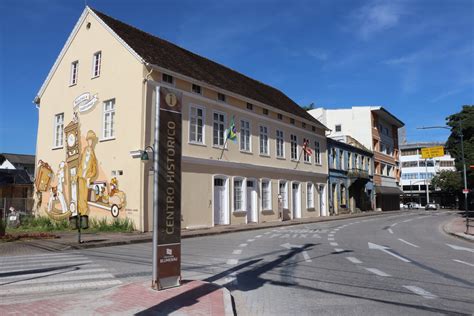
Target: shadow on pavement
point(33, 271)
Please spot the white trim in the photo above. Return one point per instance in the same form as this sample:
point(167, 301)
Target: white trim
point(276, 144)
point(74, 73)
point(250, 136)
point(193, 142)
point(112, 130)
point(284, 205)
point(71, 37)
point(308, 195)
point(55, 125)
point(243, 188)
point(246, 166)
point(97, 53)
point(226, 200)
point(268, 153)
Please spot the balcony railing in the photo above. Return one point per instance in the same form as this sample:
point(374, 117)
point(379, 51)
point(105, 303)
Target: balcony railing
point(358, 173)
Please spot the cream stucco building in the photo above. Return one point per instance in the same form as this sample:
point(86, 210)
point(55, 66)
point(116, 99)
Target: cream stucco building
point(97, 105)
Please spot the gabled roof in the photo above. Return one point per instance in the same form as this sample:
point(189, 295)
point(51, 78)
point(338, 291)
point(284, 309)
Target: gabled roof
point(161, 53)
point(18, 158)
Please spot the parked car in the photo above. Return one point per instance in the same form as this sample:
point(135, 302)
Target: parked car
point(413, 205)
point(403, 206)
point(431, 206)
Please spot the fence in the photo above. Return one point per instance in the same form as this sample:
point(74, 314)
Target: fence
point(22, 205)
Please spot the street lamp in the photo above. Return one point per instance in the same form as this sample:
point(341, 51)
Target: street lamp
point(465, 191)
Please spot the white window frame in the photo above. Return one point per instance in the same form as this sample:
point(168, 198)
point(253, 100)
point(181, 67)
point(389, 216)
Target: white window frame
point(269, 205)
point(280, 142)
point(284, 197)
point(58, 130)
point(317, 153)
point(264, 140)
point(309, 195)
point(245, 136)
point(96, 64)
point(203, 127)
point(223, 125)
point(74, 73)
point(294, 142)
point(243, 199)
point(108, 132)
point(200, 88)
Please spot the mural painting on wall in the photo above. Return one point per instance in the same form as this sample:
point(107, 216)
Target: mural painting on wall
point(77, 186)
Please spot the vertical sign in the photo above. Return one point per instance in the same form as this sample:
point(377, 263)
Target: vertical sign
point(169, 188)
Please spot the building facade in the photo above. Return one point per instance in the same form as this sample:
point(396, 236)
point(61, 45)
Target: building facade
point(351, 188)
point(377, 130)
point(418, 172)
point(92, 114)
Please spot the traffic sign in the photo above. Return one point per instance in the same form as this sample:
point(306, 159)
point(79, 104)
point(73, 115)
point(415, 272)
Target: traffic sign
point(431, 152)
point(465, 191)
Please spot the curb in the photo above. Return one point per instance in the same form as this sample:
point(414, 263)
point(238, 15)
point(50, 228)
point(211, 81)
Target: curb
point(463, 236)
point(233, 229)
point(228, 303)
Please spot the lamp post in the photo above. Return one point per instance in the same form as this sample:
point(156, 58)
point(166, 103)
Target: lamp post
point(463, 165)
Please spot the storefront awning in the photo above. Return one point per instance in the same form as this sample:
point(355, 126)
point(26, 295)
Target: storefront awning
point(388, 190)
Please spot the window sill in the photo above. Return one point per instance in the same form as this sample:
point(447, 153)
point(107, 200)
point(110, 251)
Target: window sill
point(269, 211)
point(57, 147)
point(281, 158)
point(318, 164)
point(307, 162)
point(106, 139)
point(197, 144)
point(264, 155)
point(240, 212)
point(246, 152)
point(310, 209)
point(72, 84)
point(168, 84)
point(94, 77)
point(219, 147)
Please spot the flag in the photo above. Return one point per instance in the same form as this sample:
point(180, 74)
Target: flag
point(306, 148)
point(231, 132)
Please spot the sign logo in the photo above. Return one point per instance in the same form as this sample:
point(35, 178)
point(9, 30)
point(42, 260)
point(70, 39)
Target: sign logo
point(171, 99)
point(169, 252)
point(84, 102)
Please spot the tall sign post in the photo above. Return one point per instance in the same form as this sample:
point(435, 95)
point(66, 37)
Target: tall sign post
point(167, 190)
point(426, 153)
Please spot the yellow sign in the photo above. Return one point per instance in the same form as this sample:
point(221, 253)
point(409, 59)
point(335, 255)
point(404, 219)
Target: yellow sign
point(431, 152)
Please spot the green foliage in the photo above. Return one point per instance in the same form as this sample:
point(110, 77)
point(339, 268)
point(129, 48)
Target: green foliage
point(308, 107)
point(41, 223)
point(115, 225)
point(448, 181)
point(453, 145)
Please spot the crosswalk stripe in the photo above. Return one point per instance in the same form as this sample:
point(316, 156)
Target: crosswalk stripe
point(66, 271)
point(42, 259)
point(58, 279)
point(16, 267)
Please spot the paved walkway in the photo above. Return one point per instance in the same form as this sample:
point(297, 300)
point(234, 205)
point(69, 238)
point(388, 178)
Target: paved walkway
point(191, 298)
point(457, 227)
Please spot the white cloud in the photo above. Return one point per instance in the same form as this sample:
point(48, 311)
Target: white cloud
point(376, 17)
point(445, 95)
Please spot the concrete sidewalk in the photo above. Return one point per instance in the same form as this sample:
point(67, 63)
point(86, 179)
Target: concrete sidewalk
point(457, 227)
point(191, 298)
point(68, 240)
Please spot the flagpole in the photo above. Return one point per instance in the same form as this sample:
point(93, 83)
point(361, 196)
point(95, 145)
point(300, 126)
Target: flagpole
point(223, 147)
point(299, 158)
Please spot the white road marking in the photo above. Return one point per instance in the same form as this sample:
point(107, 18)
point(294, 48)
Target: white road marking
point(285, 236)
point(289, 246)
point(420, 291)
point(243, 245)
point(331, 235)
point(390, 231)
point(237, 252)
point(334, 244)
point(408, 243)
point(354, 260)
point(232, 262)
point(59, 287)
point(331, 239)
point(460, 248)
point(393, 225)
point(338, 250)
point(267, 233)
point(377, 272)
point(408, 220)
point(306, 256)
point(258, 236)
point(274, 235)
point(464, 262)
point(250, 240)
point(385, 249)
point(316, 236)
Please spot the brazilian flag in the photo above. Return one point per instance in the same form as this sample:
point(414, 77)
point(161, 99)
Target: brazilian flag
point(232, 131)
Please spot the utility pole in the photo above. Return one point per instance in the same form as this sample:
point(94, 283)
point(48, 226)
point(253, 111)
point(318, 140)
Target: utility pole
point(465, 177)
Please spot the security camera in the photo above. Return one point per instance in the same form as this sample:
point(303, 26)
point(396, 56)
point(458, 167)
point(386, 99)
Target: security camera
point(136, 153)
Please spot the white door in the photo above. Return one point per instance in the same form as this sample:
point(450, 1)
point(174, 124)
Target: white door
point(296, 200)
point(251, 201)
point(220, 202)
point(322, 200)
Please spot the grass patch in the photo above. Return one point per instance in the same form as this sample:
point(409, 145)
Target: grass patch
point(46, 224)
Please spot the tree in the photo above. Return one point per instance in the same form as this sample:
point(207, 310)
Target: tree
point(308, 107)
point(448, 181)
point(453, 145)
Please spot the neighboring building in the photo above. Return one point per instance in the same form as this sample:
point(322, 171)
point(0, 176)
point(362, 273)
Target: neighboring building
point(107, 73)
point(18, 162)
point(350, 176)
point(16, 175)
point(418, 172)
point(376, 129)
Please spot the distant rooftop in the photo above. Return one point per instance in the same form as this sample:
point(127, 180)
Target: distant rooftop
point(17, 158)
point(420, 145)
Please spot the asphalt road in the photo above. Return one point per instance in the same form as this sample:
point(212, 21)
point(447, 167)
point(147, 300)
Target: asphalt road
point(394, 264)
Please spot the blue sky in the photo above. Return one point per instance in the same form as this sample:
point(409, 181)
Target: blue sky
point(416, 58)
